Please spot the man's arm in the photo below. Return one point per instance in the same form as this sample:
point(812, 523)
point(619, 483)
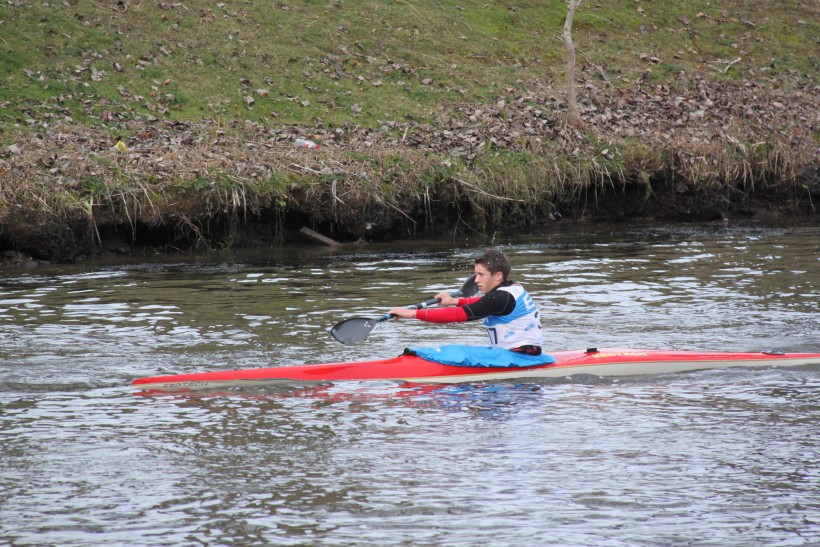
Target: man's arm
point(493, 303)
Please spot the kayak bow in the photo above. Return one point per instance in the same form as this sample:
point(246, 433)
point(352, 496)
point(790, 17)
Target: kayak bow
point(411, 368)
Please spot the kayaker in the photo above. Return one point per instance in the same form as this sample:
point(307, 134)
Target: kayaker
point(511, 317)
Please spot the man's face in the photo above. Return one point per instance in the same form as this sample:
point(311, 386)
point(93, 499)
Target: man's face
point(485, 280)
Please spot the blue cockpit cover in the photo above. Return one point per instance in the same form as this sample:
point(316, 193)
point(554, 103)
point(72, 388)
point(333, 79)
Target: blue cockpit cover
point(474, 356)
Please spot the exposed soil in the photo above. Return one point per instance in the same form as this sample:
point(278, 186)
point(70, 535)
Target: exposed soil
point(699, 152)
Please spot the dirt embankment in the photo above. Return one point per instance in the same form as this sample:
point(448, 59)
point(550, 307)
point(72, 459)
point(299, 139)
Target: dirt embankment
point(697, 150)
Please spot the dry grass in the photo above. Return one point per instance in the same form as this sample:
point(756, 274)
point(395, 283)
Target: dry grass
point(183, 188)
point(426, 112)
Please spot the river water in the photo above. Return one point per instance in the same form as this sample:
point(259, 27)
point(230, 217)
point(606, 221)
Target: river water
point(728, 457)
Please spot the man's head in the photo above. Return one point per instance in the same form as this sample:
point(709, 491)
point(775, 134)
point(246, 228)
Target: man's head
point(491, 268)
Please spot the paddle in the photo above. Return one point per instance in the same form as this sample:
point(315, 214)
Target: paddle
point(356, 329)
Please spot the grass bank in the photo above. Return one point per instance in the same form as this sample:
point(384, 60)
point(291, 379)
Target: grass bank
point(430, 117)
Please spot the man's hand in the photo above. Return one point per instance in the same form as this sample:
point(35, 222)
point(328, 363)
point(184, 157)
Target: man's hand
point(403, 313)
point(446, 299)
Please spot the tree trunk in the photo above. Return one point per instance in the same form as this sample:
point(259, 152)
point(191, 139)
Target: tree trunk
point(573, 113)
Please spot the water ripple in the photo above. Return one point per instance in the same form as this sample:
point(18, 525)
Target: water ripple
point(726, 456)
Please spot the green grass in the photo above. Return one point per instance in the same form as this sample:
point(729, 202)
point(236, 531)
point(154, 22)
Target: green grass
point(99, 70)
point(319, 58)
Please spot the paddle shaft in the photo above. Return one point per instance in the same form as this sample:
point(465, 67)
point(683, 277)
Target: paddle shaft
point(419, 306)
point(353, 331)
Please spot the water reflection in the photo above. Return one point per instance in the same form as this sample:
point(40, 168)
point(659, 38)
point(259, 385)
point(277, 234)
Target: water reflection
point(490, 401)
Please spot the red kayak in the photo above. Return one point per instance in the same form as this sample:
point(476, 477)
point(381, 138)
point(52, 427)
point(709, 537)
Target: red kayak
point(411, 368)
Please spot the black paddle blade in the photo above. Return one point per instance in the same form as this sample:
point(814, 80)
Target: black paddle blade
point(469, 288)
point(354, 330)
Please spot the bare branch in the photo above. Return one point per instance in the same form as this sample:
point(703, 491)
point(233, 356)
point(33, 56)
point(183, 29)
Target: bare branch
point(573, 112)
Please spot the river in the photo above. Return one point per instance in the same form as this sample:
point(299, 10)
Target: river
point(720, 457)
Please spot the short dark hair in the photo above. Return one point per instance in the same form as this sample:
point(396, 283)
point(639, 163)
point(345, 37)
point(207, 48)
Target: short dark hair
point(495, 261)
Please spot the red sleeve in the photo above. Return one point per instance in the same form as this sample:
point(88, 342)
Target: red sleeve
point(442, 315)
point(466, 301)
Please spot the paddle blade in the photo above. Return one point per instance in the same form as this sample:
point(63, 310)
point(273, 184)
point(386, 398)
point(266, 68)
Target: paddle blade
point(354, 330)
point(469, 288)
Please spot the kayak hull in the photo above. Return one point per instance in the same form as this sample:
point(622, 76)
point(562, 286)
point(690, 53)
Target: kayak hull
point(410, 368)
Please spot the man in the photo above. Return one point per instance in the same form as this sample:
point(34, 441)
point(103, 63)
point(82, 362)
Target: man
point(511, 317)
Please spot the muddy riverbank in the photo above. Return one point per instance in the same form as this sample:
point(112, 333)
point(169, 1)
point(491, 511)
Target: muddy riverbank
point(700, 151)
